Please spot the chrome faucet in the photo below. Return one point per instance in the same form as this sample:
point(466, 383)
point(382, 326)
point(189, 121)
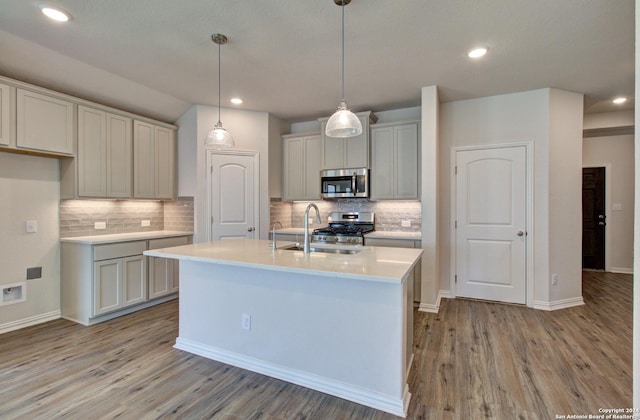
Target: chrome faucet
point(273, 235)
point(307, 242)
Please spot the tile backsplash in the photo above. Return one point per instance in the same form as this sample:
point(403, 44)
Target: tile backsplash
point(78, 217)
point(389, 214)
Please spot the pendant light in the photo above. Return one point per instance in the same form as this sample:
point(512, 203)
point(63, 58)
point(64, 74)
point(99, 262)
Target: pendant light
point(218, 137)
point(343, 123)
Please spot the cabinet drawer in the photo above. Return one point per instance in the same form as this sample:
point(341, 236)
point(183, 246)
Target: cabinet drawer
point(124, 249)
point(168, 242)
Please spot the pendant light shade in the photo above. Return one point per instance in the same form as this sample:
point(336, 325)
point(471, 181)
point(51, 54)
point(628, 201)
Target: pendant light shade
point(343, 123)
point(218, 137)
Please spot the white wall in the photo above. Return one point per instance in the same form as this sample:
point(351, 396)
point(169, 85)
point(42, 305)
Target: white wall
point(187, 151)
point(565, 196)
point(522, 117)
point(616, 153)
point(250, 131)
point(276, 129)
point(429, 176)
point(29, 190)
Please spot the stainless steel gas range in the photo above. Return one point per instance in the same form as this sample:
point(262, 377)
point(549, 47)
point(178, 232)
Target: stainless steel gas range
point(345, 228)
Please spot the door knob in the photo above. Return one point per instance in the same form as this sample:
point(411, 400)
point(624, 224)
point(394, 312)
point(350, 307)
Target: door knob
point(250, 229)
point(520, 233)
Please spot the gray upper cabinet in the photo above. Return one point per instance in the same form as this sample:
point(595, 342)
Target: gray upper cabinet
point(5, 115)
point(44, 123)
point(351, 152)
point(153, 161)
point(103, 165)
point(119, 156)
point(394, 167)
point(301, 166)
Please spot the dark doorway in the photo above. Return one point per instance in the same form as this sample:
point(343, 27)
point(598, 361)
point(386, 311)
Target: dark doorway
point(594, 219)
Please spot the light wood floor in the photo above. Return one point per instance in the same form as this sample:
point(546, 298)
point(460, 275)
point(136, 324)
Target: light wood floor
point(473, 360)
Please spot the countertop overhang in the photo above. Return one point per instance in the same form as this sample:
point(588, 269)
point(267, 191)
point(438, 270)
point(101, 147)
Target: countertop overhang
point(377, 264)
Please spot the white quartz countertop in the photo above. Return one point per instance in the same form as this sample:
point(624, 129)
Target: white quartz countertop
point(378, 264)
point(125, 237)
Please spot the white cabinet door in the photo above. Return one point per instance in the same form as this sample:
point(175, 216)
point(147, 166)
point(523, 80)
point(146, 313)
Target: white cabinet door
point(312, 150)
point(107, 283)
point(104, 154)
point(394, 156)
point(143, 160)
point(351, 152)
point(301, 167)
point(92, 150)
point(153, 161)
point(44, 123)
point(165, 158)
point(382, 163)
point(134, 280)
point(5, 115)
point(406, 168)
point(293, 168)
point(119, 156)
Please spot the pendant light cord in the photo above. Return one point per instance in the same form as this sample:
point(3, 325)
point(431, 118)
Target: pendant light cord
point(219, 77)
point(342, 7)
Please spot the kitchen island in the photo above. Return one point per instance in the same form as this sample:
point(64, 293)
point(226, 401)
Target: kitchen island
point(337, 323)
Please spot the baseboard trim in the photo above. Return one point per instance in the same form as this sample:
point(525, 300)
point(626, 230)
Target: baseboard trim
point(389, 404)
point(621, 270)
point(558, 304)
point(27, 322)
point(434, 308)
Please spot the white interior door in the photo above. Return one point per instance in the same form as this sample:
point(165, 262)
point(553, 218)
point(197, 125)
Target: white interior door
point(491, 203)
point(233, 195)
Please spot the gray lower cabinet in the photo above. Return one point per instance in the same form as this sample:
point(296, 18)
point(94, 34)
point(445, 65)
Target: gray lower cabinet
point(104, 281)
point(163, 272)
point(118, 283)
point(402, 243)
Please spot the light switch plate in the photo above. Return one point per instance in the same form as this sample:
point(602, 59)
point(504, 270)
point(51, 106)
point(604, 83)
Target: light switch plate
point(617, 206)
point(406, 223)
point(146, 223)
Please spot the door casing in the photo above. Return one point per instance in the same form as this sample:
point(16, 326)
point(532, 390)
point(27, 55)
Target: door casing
point(529, 150)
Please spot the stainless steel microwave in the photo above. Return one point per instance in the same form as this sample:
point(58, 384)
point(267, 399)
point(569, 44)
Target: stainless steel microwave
point(344, 183)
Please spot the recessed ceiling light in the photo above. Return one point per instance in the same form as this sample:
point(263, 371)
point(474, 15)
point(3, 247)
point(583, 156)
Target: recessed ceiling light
point(477, 52)
point(55, 14)
point(620, 100)
point(237, 101)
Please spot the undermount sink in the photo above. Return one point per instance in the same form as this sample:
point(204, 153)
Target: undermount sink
point(342, 251)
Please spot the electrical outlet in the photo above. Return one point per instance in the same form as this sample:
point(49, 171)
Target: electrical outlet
point(100, 225)
point(246, 322)
point(31, 226)
point(554, 279)
point(406, 223)
point(146, 223)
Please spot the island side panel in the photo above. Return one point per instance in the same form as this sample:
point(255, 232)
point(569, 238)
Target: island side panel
point(346, 331)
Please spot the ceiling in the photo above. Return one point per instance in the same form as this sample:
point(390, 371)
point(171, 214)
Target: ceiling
point(155, 57)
